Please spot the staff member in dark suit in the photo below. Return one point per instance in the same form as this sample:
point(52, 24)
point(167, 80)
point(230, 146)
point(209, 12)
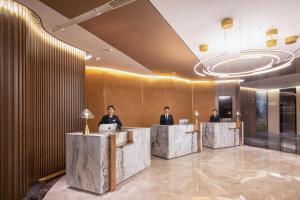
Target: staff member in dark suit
point(215, 117)
point(166, 119)
point(111, 118)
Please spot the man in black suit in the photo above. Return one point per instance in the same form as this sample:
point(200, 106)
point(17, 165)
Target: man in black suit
point(215, 117)
point(166, 119)
point(111, 118)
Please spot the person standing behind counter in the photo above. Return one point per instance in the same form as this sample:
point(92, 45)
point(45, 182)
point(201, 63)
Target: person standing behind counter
point(111, 118)
point(166, 119)
point(215, 117)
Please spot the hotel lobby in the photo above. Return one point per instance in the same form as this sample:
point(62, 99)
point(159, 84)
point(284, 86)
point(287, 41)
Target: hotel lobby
point(149, 100)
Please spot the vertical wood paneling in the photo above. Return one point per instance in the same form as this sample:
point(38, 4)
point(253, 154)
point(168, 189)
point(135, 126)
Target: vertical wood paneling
point(41, 97)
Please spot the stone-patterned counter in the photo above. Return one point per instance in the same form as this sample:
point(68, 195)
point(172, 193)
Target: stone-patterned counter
point(220, 135)
point(173, 141)
point(88, 158)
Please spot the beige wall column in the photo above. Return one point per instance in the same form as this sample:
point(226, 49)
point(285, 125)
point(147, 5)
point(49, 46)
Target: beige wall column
point(298, 110)
point(273, 112)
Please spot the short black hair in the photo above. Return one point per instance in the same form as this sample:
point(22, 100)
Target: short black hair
point(166, 107)
point(110, 106)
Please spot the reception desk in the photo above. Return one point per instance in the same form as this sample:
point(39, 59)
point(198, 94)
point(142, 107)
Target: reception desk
point(98, 162)
point(171, 141)
point(223, 134)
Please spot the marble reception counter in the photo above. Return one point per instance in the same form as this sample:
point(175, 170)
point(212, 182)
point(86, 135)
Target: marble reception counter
point(223, 134)
point(171, 141)
point(98, 162)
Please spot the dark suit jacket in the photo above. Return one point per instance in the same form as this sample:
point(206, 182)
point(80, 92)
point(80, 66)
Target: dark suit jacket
point(214, 119)
point(165, 121)
point(113, 120)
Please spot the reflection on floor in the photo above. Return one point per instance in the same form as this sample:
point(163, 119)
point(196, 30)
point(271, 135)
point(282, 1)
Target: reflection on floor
point(39, 190)
point(286, 142)
point(232, 173)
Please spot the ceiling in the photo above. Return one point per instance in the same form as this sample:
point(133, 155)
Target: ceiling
point(77, 36)
point(162, 36)
point(198, 21)
point(73, 8)
point(140, 31)
point(286, 81)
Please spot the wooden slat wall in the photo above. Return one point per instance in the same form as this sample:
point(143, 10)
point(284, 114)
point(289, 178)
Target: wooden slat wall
point(139, 101)
point(41, 97)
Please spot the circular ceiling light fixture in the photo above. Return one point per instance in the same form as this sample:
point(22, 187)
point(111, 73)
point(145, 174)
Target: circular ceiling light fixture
point(291, 39)
point(227, 23)
point(276, 60)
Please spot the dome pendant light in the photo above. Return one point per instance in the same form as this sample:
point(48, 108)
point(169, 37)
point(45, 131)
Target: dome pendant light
point(291, 39)
point(203, 47)
point(227, 23)
point(271, 37)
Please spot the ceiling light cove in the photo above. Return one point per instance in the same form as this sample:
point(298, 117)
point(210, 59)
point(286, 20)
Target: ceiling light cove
point(247, 63)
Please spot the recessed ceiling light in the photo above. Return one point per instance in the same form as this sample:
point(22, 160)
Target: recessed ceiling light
point(88, 56)
point(107, 49)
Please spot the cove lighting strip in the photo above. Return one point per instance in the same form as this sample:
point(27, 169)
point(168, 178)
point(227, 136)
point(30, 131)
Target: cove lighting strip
point(33, 22)
point(159, 77)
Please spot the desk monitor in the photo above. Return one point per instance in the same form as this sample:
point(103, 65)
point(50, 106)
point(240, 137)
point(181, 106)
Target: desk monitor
point(107, 127)
point(183, 121)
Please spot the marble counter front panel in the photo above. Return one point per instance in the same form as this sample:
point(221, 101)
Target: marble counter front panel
point(173, 141)
point(87, 159)
point(220, 135)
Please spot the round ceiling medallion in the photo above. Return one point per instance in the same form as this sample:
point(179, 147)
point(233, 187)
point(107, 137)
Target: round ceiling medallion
point(272, 60)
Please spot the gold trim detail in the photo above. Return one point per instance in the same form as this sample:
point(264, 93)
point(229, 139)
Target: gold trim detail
point(51, 176)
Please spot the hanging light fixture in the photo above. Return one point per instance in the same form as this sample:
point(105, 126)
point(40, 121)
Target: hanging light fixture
point(271, 37)
point(203, 47)
point(227, 23)
point(291, 39)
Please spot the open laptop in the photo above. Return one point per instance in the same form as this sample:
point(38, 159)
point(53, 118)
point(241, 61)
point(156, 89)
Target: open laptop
point(107, 127)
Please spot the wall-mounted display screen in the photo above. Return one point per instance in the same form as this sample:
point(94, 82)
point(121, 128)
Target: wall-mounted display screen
point(225, 106)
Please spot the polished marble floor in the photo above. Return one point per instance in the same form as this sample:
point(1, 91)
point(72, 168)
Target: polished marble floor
point(286, 142)
point(231, 173)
